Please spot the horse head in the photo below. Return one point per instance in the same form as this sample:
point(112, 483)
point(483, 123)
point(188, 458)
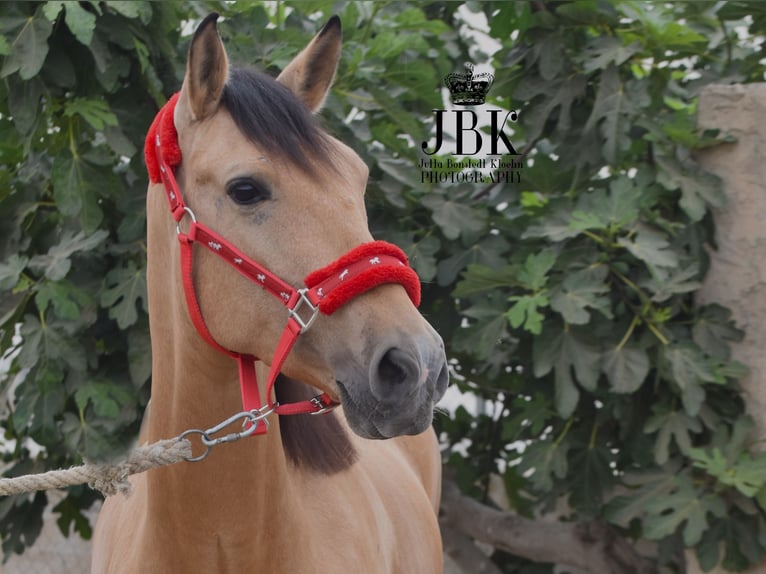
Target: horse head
point(259, 170)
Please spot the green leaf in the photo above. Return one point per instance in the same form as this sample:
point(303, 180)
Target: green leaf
point(24, 522)
point(533, 412)
point(689, 369)
point(747, 474)
point(43, 399)
point(524, 312)
point(52, 9)
point(593, 480)
point(479, 278)
point(698, 189)
point(453, 218)
point(56, 264)
point(559, 93)
point(658, 27)
point(140, 356)
point(10, 271)
point(95, 112)
point(714, 329)
point(533, 274)
point(74, 182)
point(564, 353)
point(616, 103)
point(591, 12)
point(601, 51)
point(626, 368)
point(555, 227)
point(422, 257)
point(549, 58)
point(70, 515)
point(548, 460)
point(546, 356)
point(486, 330)
point(580, 290)
point(622, 509)
point(671, 424)
point(488, 252)
point(686, 504)
point(29, 48)
point(651, 247)
point(106, 398)
point(24, 103)
point(615, 210)
point(395, 113)
point(124, 287)
point(79, 21)
point(132, 9)
point(67, 299)
point(682, 280)
point(93, 441)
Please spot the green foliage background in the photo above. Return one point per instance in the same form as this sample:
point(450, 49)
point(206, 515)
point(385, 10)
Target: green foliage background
point(566, 300)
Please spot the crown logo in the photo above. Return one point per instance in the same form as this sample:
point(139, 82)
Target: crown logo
point(468, 89)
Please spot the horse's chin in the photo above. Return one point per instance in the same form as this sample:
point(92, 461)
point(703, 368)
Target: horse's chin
point(369, 421)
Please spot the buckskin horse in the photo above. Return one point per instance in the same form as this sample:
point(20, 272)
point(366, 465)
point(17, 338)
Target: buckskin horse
point(258, 246)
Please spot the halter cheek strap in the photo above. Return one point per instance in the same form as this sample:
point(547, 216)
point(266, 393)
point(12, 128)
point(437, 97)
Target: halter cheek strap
point(326, 290)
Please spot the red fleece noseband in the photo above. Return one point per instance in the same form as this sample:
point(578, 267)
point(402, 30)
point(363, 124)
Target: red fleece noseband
point(377, 270)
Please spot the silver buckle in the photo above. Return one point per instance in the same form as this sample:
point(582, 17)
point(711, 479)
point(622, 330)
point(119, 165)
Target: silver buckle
point(317, 402)
point(303, 300)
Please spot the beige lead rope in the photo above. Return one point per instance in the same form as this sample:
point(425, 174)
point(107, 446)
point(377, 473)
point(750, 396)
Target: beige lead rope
point(107, 478)
point(112, 478)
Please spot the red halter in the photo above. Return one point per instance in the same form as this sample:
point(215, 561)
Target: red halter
point(327, 289)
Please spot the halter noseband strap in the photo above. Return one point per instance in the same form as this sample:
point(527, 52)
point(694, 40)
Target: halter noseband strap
point(327, 289)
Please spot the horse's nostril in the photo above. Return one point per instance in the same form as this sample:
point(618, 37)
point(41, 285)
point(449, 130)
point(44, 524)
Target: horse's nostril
point(396, 367)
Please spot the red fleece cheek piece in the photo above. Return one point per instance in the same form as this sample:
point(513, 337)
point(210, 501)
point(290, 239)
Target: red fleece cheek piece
point(366, 279)
point(162, 124)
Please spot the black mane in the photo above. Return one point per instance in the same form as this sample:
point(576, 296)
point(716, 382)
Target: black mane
point(317, 443)
point(272, 117)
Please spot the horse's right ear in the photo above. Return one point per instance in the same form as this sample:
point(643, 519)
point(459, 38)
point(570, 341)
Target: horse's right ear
point(207, 69)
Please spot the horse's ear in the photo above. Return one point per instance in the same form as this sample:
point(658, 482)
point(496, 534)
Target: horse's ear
point(207, 69)
point(310, 74)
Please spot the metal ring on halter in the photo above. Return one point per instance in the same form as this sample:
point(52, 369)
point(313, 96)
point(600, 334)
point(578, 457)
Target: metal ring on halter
point(190, 213)
point(302, 301)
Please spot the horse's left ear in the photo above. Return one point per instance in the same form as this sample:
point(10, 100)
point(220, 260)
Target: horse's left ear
point(207, 69)
point(310, 74)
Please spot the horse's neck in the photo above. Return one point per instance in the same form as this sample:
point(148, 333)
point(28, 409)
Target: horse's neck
point(244, 482)
point(196, 387)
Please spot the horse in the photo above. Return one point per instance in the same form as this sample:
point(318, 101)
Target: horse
point(267, 227)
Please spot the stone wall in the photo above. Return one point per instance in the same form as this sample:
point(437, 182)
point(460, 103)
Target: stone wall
point(737, 277)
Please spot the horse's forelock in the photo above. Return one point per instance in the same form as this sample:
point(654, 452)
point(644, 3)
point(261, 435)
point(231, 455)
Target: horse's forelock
point(270, 116)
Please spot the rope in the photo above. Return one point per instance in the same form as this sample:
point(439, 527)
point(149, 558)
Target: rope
point(109, 479)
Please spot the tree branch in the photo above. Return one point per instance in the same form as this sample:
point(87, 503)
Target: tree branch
point(469, 558)
point(593, 546)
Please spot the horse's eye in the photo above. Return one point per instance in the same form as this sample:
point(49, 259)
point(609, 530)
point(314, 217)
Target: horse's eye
point(247, 191)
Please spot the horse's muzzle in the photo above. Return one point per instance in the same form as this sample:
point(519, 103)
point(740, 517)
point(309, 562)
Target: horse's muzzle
point(398, 393)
